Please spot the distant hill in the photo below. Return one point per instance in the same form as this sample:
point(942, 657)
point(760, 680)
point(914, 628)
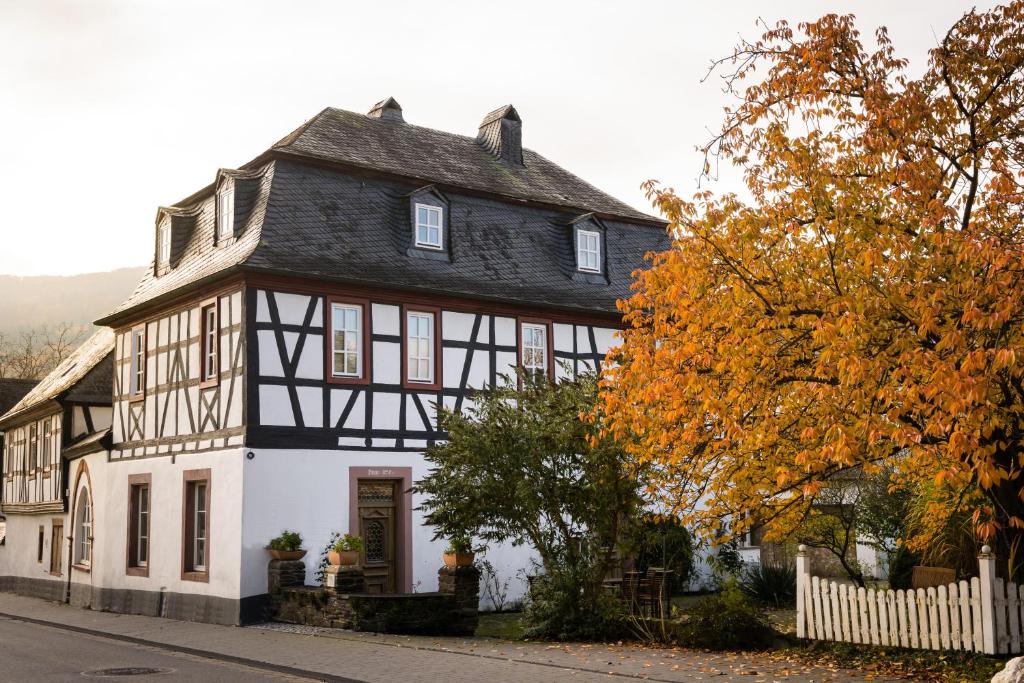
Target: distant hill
point(47, 300)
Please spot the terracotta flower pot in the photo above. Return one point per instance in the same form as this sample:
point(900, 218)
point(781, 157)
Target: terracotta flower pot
point(344, 558)
point(458, 559)
point(286, 554)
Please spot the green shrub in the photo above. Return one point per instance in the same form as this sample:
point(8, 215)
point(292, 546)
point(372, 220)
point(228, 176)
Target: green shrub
point(348, 543)
point(665, 544)
point(557, 611)
point(728, 620)
point(288, 540)
point(460, 543)
point(770, 583)
point(901, 568)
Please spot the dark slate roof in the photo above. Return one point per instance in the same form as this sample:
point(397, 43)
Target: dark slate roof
point(89, 443)
point(97, 386)
point(324, 223)
point(436, 156)
point(68, 374)
point(12, 391)
point(332, 201)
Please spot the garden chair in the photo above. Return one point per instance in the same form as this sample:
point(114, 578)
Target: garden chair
point(631, 591)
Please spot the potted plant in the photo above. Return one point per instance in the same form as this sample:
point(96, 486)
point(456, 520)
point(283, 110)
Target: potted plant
point(287, 546)
point(345, 551)
point(459, 552)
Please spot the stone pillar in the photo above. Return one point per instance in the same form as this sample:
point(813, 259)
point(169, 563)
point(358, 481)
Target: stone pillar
point(345, 579)
point(463, 583)
point(284, 574)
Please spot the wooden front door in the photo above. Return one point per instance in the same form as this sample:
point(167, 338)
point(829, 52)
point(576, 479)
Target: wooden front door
point(56, 546)
point(377, 528)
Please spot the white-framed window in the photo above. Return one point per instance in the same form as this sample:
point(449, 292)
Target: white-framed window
point(429, 232)
point(83, 529)
point(46, 446)
point(225, 213)
point(137, 381)
point(535, 347)
point(588, 251)
point(347, 342)
point(164, 246)
point(210, 334)
point(140, 502)
point(420, 346)
point(33, 448)
point(199, 527)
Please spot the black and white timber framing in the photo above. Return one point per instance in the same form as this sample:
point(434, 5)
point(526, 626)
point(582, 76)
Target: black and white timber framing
point(292, 405)
point(178, 412)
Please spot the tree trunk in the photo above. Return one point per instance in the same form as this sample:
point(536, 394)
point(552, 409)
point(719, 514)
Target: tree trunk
point(1008, 543)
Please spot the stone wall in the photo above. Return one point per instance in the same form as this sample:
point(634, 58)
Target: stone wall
point(451, 611)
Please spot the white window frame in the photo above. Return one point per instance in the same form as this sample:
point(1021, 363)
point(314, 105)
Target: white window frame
point(142, 527)
point(431, 210)
point(357, 332)
point(137, 380)
point(542, 329)
point(199, 525)
point(584, 254)
point(413, 362)
point(164, 243)
point(211, 341)
point(83, 529)
point(225, 213)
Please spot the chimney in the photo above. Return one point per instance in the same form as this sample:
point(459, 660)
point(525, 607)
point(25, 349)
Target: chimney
point(501, 134)
point(388, 109)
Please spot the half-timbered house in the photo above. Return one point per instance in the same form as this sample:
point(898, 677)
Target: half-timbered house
point(279, 365)
point(52, 436)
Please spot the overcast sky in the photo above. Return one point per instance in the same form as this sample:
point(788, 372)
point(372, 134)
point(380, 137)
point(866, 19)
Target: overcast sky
point(111, 109)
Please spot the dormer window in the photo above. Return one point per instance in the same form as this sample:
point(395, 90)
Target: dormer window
point(588, 251)
point(164, 243)
point(225, 213)
point(428, 226)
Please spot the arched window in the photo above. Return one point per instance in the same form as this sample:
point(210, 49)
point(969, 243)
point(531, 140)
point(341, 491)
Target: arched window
point(83, 528)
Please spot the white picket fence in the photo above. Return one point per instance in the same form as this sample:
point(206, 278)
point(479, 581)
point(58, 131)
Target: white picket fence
point(982, 615)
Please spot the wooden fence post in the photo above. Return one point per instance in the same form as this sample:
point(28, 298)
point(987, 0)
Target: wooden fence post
point(987, 575)
point(803, 578)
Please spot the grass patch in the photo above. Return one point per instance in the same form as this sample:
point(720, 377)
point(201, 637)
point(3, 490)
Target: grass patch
point(918, 665)
point(504, 625)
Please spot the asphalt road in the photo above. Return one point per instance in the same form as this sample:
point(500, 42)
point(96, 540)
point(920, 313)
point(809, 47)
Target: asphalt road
point(30, 653)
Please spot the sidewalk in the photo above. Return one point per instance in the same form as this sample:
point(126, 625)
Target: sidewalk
point(332, 654)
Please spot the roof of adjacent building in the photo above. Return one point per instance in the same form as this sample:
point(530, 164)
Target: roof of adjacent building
point(69, 373)
point(13, 390)
point(331, 201)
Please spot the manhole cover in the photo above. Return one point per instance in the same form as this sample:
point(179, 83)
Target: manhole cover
point(125, 671)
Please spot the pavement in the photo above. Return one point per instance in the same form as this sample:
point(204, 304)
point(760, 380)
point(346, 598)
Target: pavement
point(88, 641)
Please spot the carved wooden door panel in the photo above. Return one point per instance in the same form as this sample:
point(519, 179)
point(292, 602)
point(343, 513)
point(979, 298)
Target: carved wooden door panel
point(377, 528)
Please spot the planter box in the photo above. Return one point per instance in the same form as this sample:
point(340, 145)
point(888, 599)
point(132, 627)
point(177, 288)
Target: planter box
point(344, 558)
point(286, 554)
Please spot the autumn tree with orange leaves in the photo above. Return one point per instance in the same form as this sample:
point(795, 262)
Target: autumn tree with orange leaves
point(864, 307)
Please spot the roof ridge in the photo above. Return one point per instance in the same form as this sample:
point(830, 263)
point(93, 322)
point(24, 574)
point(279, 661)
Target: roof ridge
point(544, 187)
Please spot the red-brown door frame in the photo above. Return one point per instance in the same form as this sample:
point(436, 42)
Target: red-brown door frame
point(402, 476)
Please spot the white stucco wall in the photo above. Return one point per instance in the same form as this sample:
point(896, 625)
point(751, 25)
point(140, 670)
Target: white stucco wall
point(308, 491)
point(110, 519)
point(18, 554)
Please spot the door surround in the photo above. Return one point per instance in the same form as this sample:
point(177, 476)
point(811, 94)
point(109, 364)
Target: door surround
point(402, 476)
